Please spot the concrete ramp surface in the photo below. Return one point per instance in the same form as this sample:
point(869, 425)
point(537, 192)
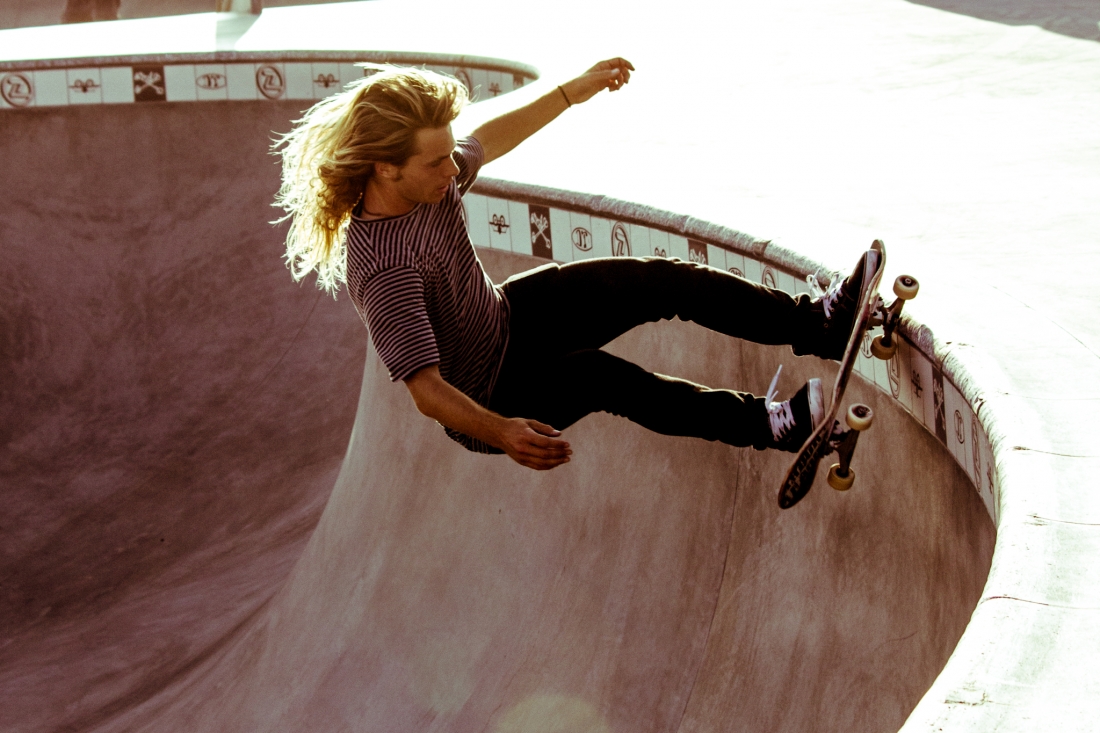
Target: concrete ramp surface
point(221, 516)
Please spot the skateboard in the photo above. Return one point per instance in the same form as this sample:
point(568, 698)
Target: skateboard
point(829, 435)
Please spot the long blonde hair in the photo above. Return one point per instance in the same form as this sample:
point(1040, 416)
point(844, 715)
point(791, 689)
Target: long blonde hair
point(330, 154)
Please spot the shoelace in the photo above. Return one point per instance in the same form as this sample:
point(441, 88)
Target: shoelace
point(780, 416)
point(829, 295)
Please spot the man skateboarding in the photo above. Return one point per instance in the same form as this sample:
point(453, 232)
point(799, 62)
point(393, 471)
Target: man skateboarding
point(373, 180)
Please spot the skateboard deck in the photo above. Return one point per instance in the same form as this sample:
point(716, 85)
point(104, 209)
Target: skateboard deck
point(800, 476)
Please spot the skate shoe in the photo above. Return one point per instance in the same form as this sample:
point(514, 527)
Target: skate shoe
point(840, 301)
point(793, 420)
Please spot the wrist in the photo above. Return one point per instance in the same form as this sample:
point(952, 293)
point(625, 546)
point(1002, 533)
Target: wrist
point(565, 95)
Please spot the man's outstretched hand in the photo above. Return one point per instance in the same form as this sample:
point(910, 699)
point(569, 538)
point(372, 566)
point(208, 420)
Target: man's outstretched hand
point(611, 75)
point(533, 444)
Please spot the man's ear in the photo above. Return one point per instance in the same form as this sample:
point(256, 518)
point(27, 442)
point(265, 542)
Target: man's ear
point(388, 171)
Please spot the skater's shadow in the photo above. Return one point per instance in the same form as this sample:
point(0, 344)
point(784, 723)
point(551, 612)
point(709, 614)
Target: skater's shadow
point(1075, 18)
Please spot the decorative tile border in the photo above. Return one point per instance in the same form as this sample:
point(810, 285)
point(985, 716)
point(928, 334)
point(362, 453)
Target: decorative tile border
point(566, 228)
point(223, 77)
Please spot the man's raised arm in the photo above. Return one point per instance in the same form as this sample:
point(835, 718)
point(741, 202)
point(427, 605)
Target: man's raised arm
point(503, 133)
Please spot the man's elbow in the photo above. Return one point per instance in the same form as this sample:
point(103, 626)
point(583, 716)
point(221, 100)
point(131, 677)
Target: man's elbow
point(421, 388)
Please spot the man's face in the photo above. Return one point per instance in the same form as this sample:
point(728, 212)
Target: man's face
point(426, 176)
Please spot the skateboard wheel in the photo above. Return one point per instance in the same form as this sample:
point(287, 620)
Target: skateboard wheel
point(838, 482)
point(881, 351)
point(859, 417)
point(906, 287)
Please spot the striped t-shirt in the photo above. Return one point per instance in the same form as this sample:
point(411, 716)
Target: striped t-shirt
point(420, 288)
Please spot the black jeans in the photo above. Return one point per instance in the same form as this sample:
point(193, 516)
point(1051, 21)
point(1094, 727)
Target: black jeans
point(554, 371)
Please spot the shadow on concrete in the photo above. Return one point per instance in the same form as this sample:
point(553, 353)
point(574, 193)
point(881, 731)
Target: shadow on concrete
point(1074, 18)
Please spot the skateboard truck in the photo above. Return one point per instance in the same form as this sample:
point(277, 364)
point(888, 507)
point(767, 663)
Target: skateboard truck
point(859, 418)
point(884, 345)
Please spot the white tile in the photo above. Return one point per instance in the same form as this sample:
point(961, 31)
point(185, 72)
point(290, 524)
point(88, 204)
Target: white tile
point(505, 82)
point(560, 230)
point(51, 88)
point(241, 79)
point(179, 83)
point(905, 383)
point(477, 218)
point(639, 240)
point(753, 270)
point(269, 81)
point(118, 84)
point(349, 73)
point(716, 257)
point(785, 281)
point(659, 244)
point(519, 216)
point(85, 86)
point(735, 263)
point(601, 237)
point(211, 82)
point(678, 247)
point(500, 224)
point(494, 86)
point(326, 79)
point(580, 235)
point(299, 81)
point(17, 90)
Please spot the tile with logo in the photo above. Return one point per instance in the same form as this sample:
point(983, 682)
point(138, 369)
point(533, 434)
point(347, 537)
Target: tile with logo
point(894, 371)
point(51, 88)
point(958, 425)
point(735, 263)
point(463, 75)
point(920, 379)
point(939, 407)
point(769, 277)
point(518, 80)
point(990, 492)
point(326, 79)
point(540, 233)
point(85, 86)
point(500, 223)
point(561, 230)
point(622, 240)
point(697, 252)
point(659, 245)
point(17, 89)
point(270, 81)
point(118, 85)
point(211, 82)
point(494, 84)
point(477, 218)
point(520, 218)
point(865, 362)
point(580, 236)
